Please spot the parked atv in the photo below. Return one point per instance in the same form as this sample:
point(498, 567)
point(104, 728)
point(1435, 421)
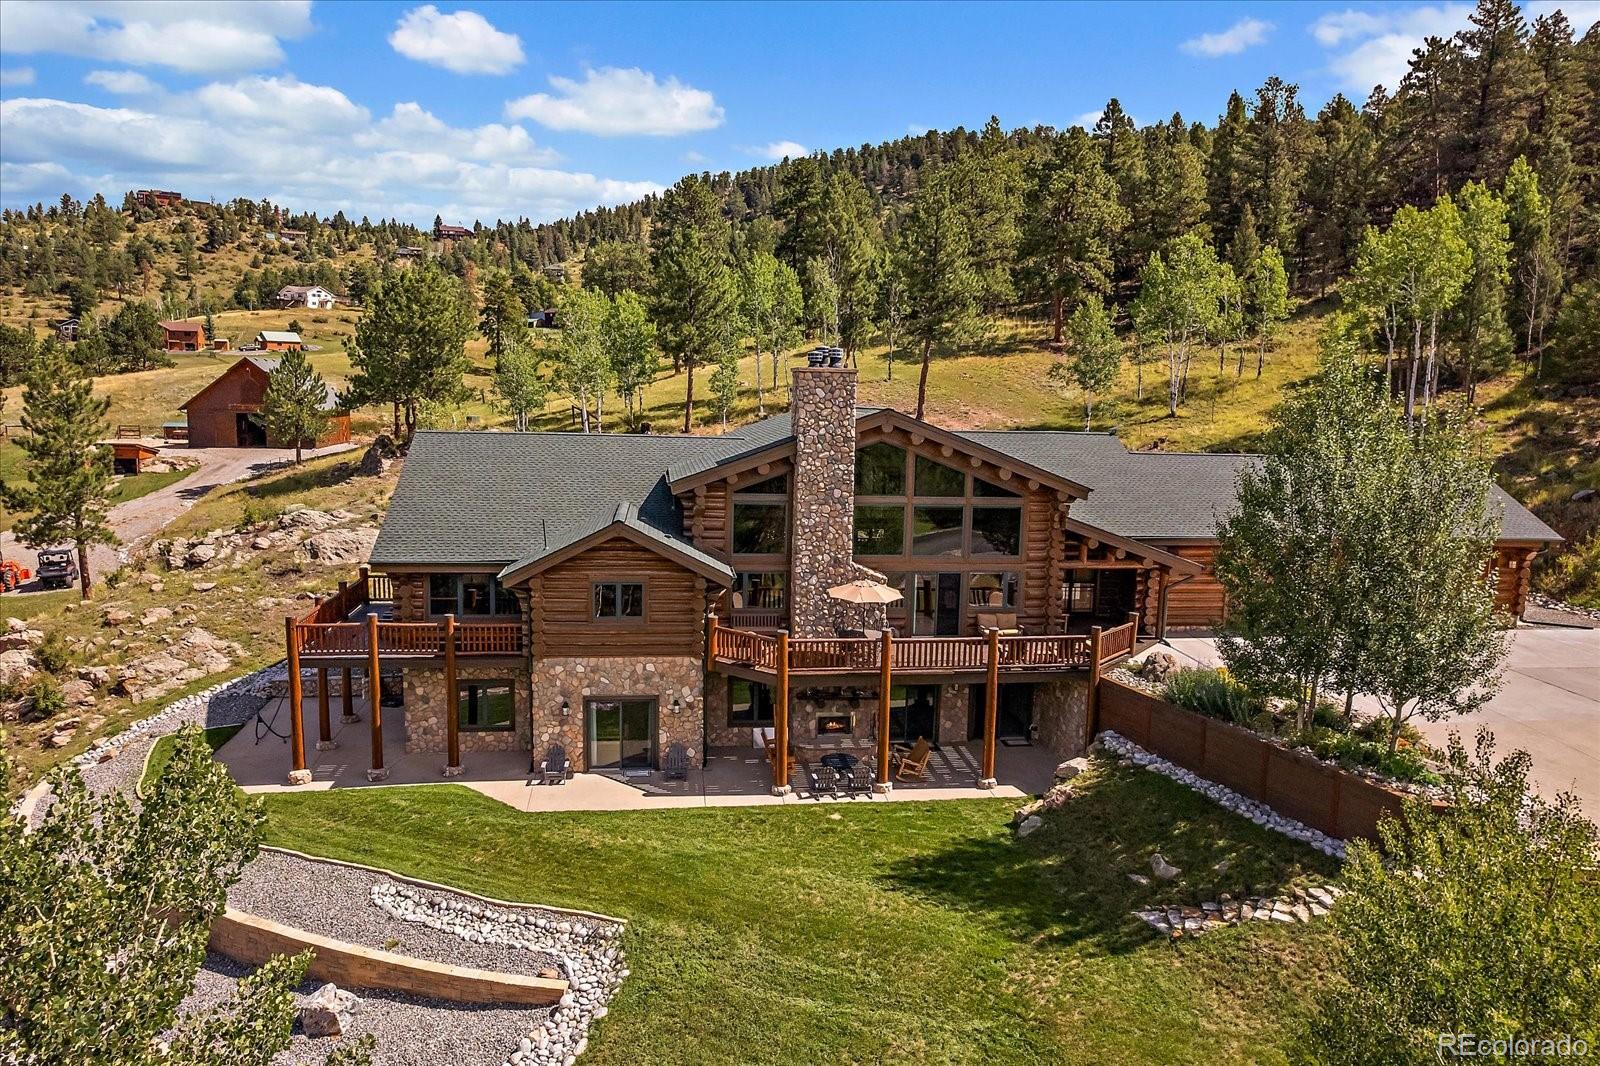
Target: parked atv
point(57, 569)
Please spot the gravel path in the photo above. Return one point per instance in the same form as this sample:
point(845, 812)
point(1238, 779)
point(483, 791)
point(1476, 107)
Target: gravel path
point(336, 901)
point(410, 1031)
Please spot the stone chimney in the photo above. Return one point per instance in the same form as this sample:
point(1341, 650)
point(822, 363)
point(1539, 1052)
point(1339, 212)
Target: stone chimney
point(822, 407)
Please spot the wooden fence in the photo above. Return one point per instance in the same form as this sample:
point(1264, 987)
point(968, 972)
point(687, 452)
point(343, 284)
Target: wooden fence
point(1293, 783)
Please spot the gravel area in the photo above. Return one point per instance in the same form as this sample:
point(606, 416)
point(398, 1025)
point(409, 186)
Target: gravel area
point(409, 1030)
point(336, 901)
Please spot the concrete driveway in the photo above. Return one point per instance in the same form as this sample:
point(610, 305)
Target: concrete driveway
point(1548, 705)
point(137, 520)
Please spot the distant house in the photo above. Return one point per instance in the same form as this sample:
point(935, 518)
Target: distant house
point(289, 236)
point(545, 319)
point(313, 296)
point(226, 413)
point(556, 271)
point(183, 336)
point(154, 198)
point(67, 328)
point(276, 340)
point(408, 251)
point(441, 232)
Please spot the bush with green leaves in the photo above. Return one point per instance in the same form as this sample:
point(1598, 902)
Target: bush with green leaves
point(1352, 749)
point(54, 654)
point(1482, 919)
point(1213, 694)
point(45, 697)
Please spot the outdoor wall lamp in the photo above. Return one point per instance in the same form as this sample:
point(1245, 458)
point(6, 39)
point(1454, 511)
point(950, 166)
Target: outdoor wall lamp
point(566, 709)
point(677, 706)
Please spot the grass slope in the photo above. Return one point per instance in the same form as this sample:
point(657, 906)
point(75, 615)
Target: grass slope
point(903, 932)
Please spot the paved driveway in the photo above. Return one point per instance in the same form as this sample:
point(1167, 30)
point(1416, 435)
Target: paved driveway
point(138, 519)
point(1548, 705)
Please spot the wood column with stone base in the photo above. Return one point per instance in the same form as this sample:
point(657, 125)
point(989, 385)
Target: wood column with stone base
point(452, 710)
point(325, 741)
point(882, 785)
point(347, 698)
point(991, 710)
point(780, 720)
point(298, 773)
point(375, 694)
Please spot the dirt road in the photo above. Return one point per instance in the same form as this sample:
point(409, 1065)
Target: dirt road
point(137, 520)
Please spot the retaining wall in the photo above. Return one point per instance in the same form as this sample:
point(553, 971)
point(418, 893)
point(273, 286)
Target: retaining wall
point(1293, 783)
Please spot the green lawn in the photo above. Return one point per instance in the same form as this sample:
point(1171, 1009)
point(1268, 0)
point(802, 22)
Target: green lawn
point(901, 932)
point(161, 752)
point(135, 485)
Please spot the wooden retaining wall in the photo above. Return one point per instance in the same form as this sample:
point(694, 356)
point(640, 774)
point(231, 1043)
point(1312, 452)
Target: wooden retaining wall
point(1292, 783)
point(251, 939)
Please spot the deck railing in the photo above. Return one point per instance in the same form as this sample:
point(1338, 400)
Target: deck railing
point(919, 655)
point(758, 618)
point(331, 629)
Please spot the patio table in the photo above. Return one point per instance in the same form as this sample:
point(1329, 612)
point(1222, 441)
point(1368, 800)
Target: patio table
point(841, 761)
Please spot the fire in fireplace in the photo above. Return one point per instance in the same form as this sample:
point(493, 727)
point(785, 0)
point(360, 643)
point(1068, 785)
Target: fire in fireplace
point(833, 725)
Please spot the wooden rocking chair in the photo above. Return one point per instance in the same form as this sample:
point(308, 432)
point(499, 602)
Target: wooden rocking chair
point(911, 763)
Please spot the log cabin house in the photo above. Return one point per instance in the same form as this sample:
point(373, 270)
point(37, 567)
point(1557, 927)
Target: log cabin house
point(621, 594)
point(227, 412)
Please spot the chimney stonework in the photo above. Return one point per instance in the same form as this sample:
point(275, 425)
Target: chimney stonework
point(822, 406)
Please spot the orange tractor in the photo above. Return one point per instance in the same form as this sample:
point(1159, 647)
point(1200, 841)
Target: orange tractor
point(12, 576)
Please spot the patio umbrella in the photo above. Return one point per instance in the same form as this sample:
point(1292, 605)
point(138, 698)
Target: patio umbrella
point(864, 591)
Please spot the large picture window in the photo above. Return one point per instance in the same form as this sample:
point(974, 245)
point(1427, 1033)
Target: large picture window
point(619, 599)
point(936, 479)
point(880, 529)
point(1080, 591)
point(485, 706)
point(469, 594)
point(997, 531)
point(760, 528)
point(749, 703)
point(992, 592)
point(765, 590)
point(936, 531)
point(880, 471)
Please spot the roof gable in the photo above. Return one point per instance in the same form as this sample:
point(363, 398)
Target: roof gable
point(247, 363)
point(626, 524)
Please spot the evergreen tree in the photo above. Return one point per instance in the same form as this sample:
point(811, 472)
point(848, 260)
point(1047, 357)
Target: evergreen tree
point(989, 177)
point(853, 251)
point(410, 345)
point(502, 319)
point(68, 472)
point(615, 267)
point(295, 407)
point(696, 299)
point(1266, 301)
point(1071, 221)
point(933, 256)
point(135, 338)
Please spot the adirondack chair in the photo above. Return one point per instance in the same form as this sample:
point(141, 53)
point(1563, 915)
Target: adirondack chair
point(676, 764)
point(910, 763)
point(824, 781)
point(859, 781)
point(555, 767)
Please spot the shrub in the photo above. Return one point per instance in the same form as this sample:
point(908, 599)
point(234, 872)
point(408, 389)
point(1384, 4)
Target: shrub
point(53, 654)
point(1213, 694)
point(1352, 749)
point(45, 696)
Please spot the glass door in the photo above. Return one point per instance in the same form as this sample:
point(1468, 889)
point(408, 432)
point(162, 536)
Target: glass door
point(621, 733)
point(938, 605)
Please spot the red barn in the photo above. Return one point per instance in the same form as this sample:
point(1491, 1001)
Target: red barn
point(226, 413)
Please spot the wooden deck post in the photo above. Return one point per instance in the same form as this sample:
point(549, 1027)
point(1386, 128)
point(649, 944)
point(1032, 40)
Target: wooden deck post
point(711, 638)
point(1161, 608)
point(347, 698)
point(885, 690)
point(452, 711)
point(325, 741)
point(375, 693)
point(991, 709)
point(780, 719)
point(1134, 619)
point(298, 774)
point(1091, 707)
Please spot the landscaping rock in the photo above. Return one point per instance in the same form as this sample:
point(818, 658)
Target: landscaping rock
point(1162, 868)
point(155, 615)
point(1583, 494)
point(13, 638)
point(327, 1011)
point(1158, 666)
point(1029, 825)
point(306, 520)
point(204, 586)
point(261, 544)
point(17, 666)
point(199, 555)
point(116, 616)
point(1071, 768)
point(342, 545)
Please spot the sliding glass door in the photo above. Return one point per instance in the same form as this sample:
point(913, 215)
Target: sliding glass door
point(621, 733)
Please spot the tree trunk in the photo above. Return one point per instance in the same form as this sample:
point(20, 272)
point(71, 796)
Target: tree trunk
point(85, 579)
point(1430, 383)
point(1056, 303)
point(1411, 371)
point(761, 407)
point(1261, 358)
point(299, 442)
point(396, 406)
point(922, 382)
point(688, 397)
point(889, 356)
point(1088, 411)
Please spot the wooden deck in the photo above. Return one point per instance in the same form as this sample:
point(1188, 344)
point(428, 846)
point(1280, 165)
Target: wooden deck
point(339, 629)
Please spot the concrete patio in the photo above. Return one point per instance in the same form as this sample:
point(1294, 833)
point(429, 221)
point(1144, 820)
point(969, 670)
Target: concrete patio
point(733, 777)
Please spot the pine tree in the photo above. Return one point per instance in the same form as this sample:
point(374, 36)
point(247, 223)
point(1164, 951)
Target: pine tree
point(990, 183)
point(410, 345)
point(1072, 217)
point(933, 256)
point(295, 405)
point(502, 319)
point(853, 250)
point(68, 472)
point(696, 298)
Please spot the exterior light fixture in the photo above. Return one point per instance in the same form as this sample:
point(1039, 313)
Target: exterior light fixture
point(677, 706)
point(566, 709)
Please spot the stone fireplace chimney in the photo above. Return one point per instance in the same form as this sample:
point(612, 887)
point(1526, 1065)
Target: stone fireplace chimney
point(822, 407)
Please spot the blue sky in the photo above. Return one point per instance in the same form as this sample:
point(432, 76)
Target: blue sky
point(510, 110)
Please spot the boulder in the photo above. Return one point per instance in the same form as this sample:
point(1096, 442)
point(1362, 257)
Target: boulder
point(116, 616)
point(1158, 666)
point(327, 1011)
point(12, 639)
point(1583, 494)
point(78, 692)
point(342, 545)
point(15, 625)
point(204, 586)
point(1029, 825)
point(261, 544)
point(1162, 868)
point(379, 457)
point(17, 666)
point(306, 519)
point(155, 615)
point(1071, 768)
point(199, 555)
point(95, 675)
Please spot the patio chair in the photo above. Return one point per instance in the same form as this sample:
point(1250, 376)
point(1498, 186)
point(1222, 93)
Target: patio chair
point(859, 781)
point(555, 767)
point(676, 764)
point(910, 763)
point(824, 781)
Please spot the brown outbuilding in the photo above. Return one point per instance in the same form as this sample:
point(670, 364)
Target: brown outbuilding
point(227, 412)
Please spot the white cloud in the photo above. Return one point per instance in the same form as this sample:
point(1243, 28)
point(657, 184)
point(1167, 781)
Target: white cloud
point(917, 129)
point(692, 156)
point(1581, 13)
point(612, 101)
point(1246, 33)
point(782, 150)
point(195, 38)
point(17, 76)
point(122, 82)
point(463, 41)
point(1374, 47)
point(299, 144)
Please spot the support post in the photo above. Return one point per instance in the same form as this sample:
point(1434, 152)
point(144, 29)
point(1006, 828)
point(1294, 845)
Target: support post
point(1091, 708)
point(711, 638)
point(298, 774)
point(885, 689)
point(325, 741)
point(375, 693)
point(1161, 609)
point(347, 698)
point(991, 709)
point(452, 711)
point(780, 720)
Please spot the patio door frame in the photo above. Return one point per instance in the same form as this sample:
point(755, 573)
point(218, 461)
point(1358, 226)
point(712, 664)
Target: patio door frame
point(592, 705)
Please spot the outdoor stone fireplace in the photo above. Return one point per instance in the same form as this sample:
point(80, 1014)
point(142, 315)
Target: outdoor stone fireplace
point(835, 725)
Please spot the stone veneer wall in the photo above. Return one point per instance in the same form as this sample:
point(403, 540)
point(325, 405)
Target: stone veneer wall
point(955, 703)
point(1060, 714)
point(574, 679)
point(427, 703)
point(822, 405)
